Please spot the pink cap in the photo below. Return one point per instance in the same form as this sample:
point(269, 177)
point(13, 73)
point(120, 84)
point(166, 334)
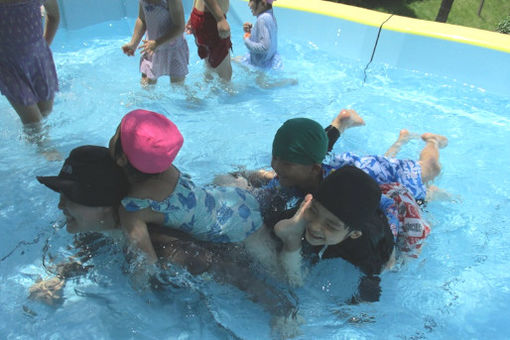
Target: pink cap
point(149, 140)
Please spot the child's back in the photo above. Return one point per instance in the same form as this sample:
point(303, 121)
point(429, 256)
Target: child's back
point(215, 214)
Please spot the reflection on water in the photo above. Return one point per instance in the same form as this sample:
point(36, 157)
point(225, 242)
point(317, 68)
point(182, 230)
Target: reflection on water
point(459, 279)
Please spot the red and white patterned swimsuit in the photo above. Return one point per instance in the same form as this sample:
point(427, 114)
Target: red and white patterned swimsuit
point(412, 229)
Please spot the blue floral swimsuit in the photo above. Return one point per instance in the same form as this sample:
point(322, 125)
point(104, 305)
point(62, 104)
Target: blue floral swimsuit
point(211, 213)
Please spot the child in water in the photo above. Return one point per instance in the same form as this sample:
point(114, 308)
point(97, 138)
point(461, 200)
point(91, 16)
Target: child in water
point(208, 24)
point(261, 38)
point(27, 72)
point(145, 145)
point(91, 187)
point(344, 218)
point(262, 43)
point(165, 51)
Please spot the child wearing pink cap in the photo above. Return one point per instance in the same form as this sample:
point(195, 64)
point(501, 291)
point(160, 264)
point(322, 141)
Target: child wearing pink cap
point(145, 145)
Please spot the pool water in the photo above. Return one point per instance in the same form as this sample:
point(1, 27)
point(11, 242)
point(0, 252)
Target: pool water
point(458, 287)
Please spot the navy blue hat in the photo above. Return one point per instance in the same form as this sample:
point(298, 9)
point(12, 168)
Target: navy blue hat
point(351, 195)
point(89, 177)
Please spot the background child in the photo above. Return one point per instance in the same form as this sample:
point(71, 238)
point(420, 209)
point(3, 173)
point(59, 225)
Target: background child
point(208, 23)
point(27, 72)
point(145, 145)
point(165, 51)
point(261, 39)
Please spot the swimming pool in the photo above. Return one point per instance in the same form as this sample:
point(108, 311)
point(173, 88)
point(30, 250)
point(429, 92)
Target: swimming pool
point(458, 287)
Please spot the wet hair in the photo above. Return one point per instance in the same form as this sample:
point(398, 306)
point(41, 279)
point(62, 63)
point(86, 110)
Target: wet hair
point(369, 252)
point(267, 5)
point(131, 172)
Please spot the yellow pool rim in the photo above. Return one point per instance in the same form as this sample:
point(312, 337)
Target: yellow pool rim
point(461, 34)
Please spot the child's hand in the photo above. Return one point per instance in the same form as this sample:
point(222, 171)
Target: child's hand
point(48, 291)
point(223, 29)
point(188, 28)
point(291, 230)
point(128, 50)
point(247, 27)
point(148, 46)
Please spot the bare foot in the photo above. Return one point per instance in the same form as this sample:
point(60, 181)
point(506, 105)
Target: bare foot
point(403, 137)
point(439, 140)
point(148, 83)
point(347, 118)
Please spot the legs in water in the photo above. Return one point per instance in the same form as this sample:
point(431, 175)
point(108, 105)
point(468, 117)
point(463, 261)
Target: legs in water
point(224, 69)
point(33, 113)
point(347, 118)
point(429, 156)
point(146, 81)
point(429, 160)
point(35, 133)
point(403, 137)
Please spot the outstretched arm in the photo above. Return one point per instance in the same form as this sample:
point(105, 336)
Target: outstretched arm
point(245, 178)
point(49, 290)
point(138, 32)
point(52, 20)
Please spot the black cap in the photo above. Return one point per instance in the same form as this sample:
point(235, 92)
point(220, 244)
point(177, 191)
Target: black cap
point(351, 195)
point(89, 177)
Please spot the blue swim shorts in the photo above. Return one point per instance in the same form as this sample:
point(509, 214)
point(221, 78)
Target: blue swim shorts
point(384, 170)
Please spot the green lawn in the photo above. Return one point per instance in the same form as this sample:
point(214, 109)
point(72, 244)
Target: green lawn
point(463, 12)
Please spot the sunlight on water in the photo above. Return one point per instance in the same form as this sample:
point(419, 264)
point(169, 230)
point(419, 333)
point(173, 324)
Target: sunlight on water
point(458, 287)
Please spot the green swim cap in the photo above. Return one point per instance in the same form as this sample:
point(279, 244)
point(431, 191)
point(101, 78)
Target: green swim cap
point(302, 141)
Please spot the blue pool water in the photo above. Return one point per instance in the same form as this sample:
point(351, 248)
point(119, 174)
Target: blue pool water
point(458, 287)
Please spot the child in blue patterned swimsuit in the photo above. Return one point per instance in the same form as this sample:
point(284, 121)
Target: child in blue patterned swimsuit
point(145, 145)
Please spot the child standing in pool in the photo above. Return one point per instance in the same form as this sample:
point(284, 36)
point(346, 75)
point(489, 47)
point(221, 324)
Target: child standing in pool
point(145, 145)
point(208, 23)
point(27, 72)
point(165, 51)
point(261, 38)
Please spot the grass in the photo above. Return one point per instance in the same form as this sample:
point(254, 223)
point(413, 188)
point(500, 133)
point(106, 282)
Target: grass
point(463, 12)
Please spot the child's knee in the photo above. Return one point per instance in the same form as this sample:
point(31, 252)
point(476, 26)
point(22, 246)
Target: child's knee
point(430, 169)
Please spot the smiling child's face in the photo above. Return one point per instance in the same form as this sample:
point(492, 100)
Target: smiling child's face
point(81, 218)
point(324, 228)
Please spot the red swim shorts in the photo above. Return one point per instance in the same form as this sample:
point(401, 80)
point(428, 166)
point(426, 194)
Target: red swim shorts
point(412, 229)
point(209, 43)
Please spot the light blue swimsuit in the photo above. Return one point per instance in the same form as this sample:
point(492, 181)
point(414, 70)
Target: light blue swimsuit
point(263, 43)
point(212, 213)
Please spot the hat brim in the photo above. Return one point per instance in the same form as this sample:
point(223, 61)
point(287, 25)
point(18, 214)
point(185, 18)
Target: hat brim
point(58, 184)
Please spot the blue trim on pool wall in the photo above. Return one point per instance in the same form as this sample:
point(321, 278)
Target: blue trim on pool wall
point(478, 66)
